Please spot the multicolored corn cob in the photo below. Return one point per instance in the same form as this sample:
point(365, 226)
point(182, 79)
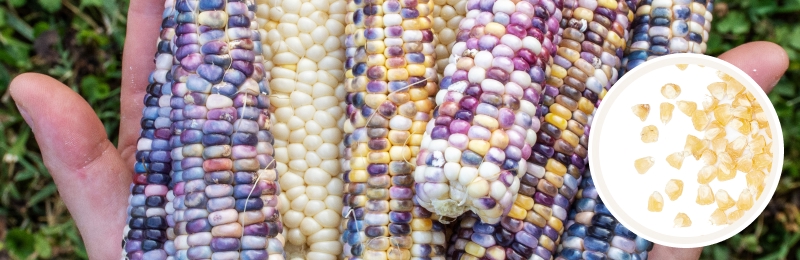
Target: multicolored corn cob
point(519, 233)
point(593, 233)
point(225, 206)
point(485, 123)
point(308, 68)
point(663, 27)
point(355, 83)
point(585, 66)
point(447, 15)
point(146, 229)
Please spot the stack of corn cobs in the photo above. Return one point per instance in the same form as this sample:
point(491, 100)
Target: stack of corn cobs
point(387, 129)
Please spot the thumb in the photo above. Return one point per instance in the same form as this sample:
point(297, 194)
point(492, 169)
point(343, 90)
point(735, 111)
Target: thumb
point(91, 177)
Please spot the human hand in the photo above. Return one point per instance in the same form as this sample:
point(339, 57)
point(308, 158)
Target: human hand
point(93, 176)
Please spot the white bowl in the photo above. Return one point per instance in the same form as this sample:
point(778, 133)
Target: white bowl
point(614, 143)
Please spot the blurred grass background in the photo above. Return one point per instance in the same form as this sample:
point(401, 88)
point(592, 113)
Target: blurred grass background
point(79, 42)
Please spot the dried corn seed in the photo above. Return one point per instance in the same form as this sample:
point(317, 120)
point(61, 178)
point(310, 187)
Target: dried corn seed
point(700, 120)
point(744, 164)
point(724, 201)
point(745, 201)
point(695, 145)
point(674, 189)
point(722, 113)
point(718, 217)
point(656, 202)
point(734, 87)
point(666, 112)
point(735, 215)
point(762, 161)
point(741, 100)
point(649, 134)
point(755, 182)
point(682, 66)
point(682, 220)
point(641, 111)
point(742, 112)
point(741, 126)
point(670, 91)
point(643, 164)
point(676, 159)
point(726, 172)
point(736, 147)
point(717, 89)
point(707, 174)
point(687, 107)
point(719, 144)
point(709, 157)
point(714, 130)
point(705, 195)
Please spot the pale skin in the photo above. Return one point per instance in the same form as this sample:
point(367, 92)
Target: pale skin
point(93, 176)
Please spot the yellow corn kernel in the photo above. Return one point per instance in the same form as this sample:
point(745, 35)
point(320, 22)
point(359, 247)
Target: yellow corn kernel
point(676, 159)
point(682, 66)
point(742, 112)
point(517, 212)
point(670, 91)
point(666, 112)
point(755, 182)
point(741, 126)
point(710, 103)
point(643, 164)
point(718, 217)
point(705, 195)
point(656, 202)
point(757, 145)
point(734, 216)
point(474, 249)
point(707, 174)
point(649, 134)
point(641, 111)
point(726, 172)
point(682, 220)
point(745, 201)
point(700, 120)
point(734, 87)
point(736, 147)
point(741, 100)
point(715, 130)
point(762, 161)
point(744, 164)
point(723, 113)
point(687, 107)
point(555, 120)
point(717, 89)
point(719, 144)
point(674, 189)
point(709, 157)
point(695, 146)
point(724, 201)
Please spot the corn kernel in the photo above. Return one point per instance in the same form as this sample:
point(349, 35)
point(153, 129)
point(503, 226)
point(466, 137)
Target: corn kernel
point(741, 126)
point(666, 112)
point(742, 112)
point(724, 201)
point(718, 217)
point(656, 202)
point(710, 103)
point(707, 174)
point(643, 164)
point(736, 147)
point(687, 107)
point(641, 111)
point(682, 66)
point(755, 182)
point(726, 172)
point(744, 164)
point(741, 101)
point(719, 144)
point(723, 113)
point(700, 120)
point(734, 87)
point(714, 131)
point(709, 157)
point(762, 161)
point(745, 201)
point(674, 189)
point(649, 134)
point(705, 195)
point(717, 89)
point(670, 91)
point(734, 216)
point(676, 159)
point(695, 146)
point(682, 220)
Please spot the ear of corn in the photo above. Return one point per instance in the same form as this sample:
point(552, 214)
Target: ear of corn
point(145, 234)
point(303, 37)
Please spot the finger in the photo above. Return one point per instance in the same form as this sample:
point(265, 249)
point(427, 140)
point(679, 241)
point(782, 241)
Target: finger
point(766, 69)
point(92, 179)
point(144, 21)
point(765, 62)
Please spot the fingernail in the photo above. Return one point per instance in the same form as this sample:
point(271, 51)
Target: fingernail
point(25, 116)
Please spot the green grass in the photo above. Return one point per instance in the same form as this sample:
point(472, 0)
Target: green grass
point(36, 36)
